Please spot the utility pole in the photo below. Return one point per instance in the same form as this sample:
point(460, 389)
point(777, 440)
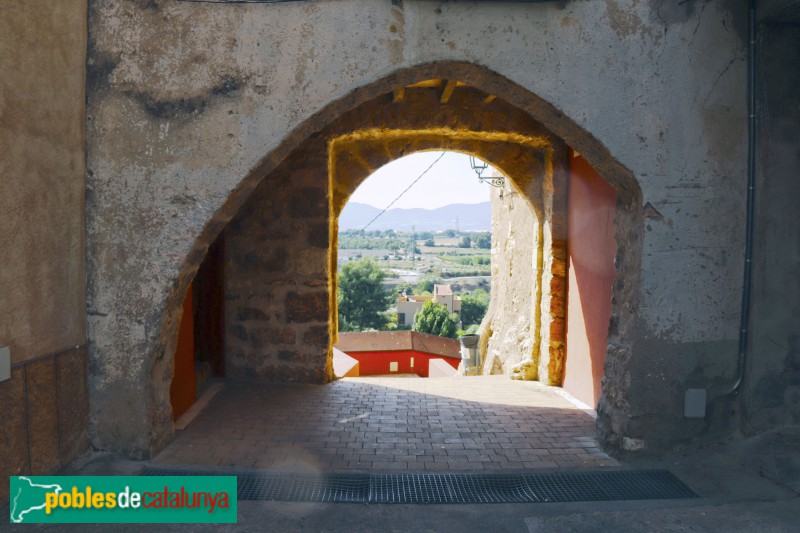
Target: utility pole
point(458, 232)
point(413, 246)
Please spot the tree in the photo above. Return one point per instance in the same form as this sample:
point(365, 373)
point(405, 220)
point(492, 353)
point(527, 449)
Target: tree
point(436, 320)
point(404, 287)
point(361, 297)
point(466, 242)
point(483, 240)
point(430, 243)
point(474, 306)
point(425, 285)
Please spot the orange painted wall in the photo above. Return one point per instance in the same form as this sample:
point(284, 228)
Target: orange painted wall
point(183, 391)
point(591, 246)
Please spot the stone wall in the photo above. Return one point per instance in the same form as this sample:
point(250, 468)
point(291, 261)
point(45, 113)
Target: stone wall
point(554, 269)
point(511, 340)
point(191, 105)
point(42, 278)
point(524, 331)
point(277, 306)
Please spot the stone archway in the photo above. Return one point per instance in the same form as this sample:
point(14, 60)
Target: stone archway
point(265, 304)
point(282, 311)
point(296, 176)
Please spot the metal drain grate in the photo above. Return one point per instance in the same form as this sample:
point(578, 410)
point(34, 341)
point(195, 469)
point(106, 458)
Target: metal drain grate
point(450, 488)
point(331, 488)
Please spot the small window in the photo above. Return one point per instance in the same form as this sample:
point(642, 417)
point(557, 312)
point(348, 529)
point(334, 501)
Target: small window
point(412, 362)
point(393, 366)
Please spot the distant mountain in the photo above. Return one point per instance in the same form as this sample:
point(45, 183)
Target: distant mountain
point(471, 217)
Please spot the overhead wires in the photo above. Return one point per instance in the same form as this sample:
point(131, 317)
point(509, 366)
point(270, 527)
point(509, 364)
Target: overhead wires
point(405, 191)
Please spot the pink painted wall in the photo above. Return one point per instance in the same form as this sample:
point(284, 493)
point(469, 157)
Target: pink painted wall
point(591, 248)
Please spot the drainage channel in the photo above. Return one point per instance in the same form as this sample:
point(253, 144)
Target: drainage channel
point(450, 488)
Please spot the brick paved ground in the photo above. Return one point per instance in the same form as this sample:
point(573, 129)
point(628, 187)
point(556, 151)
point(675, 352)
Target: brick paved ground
point(405, 424)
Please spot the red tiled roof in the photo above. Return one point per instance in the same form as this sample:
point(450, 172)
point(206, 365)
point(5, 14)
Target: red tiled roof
point(387, 341)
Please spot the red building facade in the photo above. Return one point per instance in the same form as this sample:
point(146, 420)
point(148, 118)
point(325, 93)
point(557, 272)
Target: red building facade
point(398, 352)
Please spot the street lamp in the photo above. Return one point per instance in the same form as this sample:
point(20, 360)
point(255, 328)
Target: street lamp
point(479, 166)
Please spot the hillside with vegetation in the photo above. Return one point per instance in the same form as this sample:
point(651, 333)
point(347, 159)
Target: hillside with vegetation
point(413, 262)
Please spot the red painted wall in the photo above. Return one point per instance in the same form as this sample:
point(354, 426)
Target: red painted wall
point(182, 391)
point(591, 205)
point(377, 363)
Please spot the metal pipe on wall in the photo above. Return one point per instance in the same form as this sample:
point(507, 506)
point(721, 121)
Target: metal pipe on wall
point(751, 189)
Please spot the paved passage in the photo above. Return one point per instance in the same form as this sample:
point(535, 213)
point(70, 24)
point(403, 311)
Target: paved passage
point(393, 423)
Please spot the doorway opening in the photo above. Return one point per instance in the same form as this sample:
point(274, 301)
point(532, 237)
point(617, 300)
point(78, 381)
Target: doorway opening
point(200, 350)
point(414, 274)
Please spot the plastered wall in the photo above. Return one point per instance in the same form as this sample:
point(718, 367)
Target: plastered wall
point(192, 104)
point(42, 274)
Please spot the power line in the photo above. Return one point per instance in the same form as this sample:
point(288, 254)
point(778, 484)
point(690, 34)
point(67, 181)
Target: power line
point(405, 191)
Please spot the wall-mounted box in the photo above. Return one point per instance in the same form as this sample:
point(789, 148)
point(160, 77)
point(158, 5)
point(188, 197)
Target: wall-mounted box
point(695, 404)
point(5, 363)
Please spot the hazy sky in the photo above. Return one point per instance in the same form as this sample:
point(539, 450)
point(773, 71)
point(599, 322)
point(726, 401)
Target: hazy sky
point(450, 181)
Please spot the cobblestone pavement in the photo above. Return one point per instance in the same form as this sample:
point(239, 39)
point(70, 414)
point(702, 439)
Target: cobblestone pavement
point(487, 423)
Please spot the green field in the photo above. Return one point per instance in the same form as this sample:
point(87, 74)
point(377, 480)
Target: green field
point(448, 260)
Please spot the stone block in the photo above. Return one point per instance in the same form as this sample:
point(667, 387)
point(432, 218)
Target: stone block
point(269, 336)
point(14, 458)
point(557, 306)
point(307, 307)
point(308, 202)
point(317, 336)
point(557, 329)
point(73, 403)
point(559, 249)
point(250, 313)
point(558, 285)
point(287, 355)
point(319, 235)
point(43, 435)
point(238, 331)
point(313, 263)
point(559, 267)
point(271, 259)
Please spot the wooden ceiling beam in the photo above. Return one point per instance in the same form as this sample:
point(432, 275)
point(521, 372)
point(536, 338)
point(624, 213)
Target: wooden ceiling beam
point(448, 91)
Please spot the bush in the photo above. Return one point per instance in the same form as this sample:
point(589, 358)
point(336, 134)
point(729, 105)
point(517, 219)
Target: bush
point(436, 320)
